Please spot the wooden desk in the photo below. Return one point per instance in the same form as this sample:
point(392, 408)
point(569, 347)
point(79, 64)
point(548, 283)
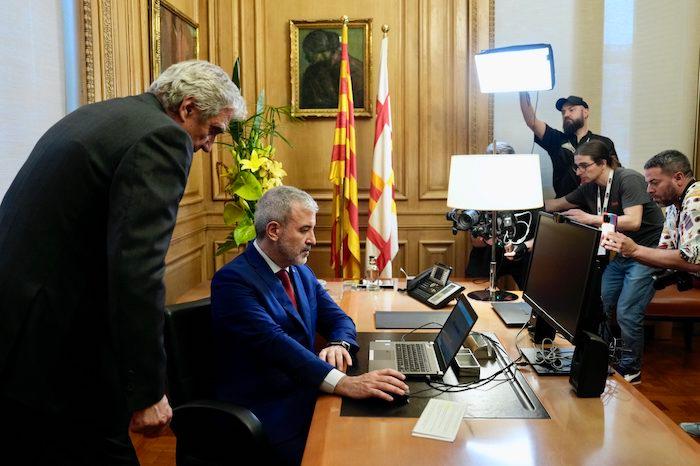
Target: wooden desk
point(620, 427)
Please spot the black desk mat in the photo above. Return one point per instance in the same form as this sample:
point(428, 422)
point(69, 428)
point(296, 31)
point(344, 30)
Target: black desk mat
point(504, 398)
point(409, 319)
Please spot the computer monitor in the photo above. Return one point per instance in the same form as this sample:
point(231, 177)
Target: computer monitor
point(562, 285)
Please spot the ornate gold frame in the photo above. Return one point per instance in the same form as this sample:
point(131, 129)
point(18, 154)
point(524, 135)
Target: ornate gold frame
point(294, 27)
point(155, 12)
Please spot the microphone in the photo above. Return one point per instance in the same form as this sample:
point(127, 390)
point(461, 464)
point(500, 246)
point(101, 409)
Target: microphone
point(408, 279)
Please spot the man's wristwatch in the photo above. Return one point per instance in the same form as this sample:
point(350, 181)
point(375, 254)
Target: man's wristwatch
point(342, 343)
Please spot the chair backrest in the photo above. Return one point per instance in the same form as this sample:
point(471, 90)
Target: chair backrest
point(209, 432)
point(190, 349)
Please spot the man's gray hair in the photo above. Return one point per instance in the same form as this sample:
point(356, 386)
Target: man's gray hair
point(276, 205)
point(501, 148)
point(209, 85)
point(670, 162)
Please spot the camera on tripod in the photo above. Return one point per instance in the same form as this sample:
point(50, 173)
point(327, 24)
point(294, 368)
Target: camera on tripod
point(479, 223)
point(664, 278)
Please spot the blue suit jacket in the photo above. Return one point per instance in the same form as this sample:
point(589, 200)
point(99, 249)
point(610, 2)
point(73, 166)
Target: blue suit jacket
point(266, 348)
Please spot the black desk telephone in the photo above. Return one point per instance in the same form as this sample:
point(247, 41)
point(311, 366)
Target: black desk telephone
point(432, 286)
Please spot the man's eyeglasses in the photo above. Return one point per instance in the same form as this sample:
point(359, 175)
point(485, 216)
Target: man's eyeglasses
point(582, 166)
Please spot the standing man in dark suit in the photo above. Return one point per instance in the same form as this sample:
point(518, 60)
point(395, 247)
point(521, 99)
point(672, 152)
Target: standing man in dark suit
point(267, 306)
point(84, 229)
point(561, 146)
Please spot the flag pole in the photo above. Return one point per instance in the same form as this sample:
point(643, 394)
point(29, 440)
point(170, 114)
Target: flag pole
point(341, 247)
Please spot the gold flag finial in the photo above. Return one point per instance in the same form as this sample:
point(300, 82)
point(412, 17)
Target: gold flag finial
point(385, 29)
point(345, 19)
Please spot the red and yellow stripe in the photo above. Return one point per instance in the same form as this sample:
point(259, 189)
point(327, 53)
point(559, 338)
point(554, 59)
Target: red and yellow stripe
point(345, 236)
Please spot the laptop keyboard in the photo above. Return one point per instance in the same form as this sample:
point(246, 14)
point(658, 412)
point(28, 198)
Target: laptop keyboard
point(411, 357)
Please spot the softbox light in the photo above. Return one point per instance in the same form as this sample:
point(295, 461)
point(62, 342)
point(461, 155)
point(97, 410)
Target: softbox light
point(516, 68)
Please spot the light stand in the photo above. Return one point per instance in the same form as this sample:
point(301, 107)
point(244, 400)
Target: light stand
point(506, 69)
point(493, 293)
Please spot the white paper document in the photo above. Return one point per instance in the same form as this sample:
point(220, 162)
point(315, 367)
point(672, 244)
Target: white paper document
point(440, 420)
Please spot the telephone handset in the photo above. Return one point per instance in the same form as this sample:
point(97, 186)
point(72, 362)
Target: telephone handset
point(415, 281)
point(432, 286)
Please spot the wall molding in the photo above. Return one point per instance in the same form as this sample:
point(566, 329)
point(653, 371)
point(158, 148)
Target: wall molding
point(89, 52)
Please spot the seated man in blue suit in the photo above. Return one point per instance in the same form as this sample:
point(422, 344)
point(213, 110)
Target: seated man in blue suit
point(267, 306)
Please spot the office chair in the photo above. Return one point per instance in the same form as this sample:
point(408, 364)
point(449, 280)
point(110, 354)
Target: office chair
point(208, 432)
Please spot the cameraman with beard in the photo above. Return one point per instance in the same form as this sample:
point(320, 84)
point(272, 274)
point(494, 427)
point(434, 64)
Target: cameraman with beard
point(561, 146)
point(670, 183)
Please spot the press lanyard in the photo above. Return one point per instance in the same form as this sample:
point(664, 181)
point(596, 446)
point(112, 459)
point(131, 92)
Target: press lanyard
point(607, 194)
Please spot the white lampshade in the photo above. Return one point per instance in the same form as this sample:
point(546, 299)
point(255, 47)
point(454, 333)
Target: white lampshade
point(495, 182)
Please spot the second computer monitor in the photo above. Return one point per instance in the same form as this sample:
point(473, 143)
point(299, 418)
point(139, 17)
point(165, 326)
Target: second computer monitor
point(560, 277)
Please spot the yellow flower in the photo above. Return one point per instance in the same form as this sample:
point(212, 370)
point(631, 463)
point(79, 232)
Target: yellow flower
point(275, 169)
point(254, 163)
point(271, 183)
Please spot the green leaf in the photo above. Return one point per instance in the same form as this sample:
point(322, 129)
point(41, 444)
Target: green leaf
point(244, 232)
point(247, 186)
point(236, 76)
point(236, 128)
point(232, 214)
point(259, 111)
point(229, 244)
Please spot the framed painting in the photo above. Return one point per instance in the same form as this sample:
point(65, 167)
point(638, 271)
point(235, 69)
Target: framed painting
point(174, 37)
point(315, 66)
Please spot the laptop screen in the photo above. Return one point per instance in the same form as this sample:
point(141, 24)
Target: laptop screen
point(456, 329)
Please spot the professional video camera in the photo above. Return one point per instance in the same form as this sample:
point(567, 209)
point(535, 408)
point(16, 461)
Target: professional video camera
point(479, 223)
point(664, 278)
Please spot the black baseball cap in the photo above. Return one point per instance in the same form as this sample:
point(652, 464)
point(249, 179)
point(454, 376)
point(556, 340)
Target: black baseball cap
point(571, 100)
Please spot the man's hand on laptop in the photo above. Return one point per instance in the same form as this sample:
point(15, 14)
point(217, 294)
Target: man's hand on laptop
point(383, 383)
point(336, 356)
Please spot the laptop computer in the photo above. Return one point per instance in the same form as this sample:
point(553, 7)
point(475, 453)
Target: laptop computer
point(431, 358)
point(513, 314)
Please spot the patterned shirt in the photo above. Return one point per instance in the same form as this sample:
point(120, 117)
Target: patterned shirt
point(684, 233)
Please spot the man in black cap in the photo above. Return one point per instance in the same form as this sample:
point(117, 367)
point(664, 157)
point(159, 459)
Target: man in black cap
point(561, 145)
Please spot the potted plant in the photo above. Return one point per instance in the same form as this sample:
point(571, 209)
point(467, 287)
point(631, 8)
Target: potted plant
point(254, 169)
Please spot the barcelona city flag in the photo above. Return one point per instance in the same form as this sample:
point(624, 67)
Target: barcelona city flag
point(382, 227)
point(345, 236)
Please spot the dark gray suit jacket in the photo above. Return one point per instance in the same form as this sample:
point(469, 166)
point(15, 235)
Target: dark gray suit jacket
point(84, 229)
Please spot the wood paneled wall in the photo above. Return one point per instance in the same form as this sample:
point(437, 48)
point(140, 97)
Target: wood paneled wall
point(437, 111)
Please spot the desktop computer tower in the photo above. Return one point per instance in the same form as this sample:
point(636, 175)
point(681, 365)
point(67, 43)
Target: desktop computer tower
point(589, 367)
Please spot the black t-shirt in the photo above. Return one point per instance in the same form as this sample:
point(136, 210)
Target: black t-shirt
point(628, 189)
point(561, 148)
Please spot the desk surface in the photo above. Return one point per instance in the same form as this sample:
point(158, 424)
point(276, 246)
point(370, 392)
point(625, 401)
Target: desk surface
point(620, 427)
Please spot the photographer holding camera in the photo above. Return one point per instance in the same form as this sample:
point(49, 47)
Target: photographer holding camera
point(672, 185)
point(516, 253)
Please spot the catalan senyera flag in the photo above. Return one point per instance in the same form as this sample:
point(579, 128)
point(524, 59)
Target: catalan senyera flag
point(382, 228)
point(345, 232)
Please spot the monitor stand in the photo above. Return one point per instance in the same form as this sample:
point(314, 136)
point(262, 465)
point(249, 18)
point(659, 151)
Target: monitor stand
point(532, 356)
